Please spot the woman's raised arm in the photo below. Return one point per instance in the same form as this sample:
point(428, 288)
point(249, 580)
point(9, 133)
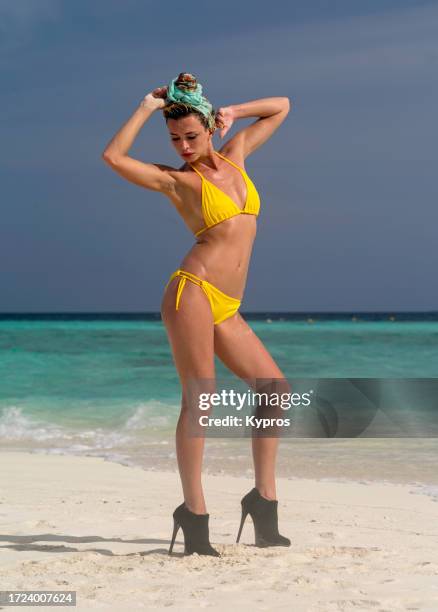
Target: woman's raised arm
point(150, 176)
point(271, 113)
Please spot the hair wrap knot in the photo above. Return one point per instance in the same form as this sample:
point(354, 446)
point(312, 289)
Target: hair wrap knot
point(185, 89)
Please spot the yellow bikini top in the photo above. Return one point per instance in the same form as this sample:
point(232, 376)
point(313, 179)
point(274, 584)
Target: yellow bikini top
point(217, 206)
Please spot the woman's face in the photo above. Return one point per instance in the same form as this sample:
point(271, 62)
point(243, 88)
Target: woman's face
point(189, 137)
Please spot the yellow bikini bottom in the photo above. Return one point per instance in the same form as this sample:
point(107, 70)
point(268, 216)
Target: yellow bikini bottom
point(222, 305)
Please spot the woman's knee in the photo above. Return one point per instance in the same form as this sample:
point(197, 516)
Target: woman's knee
point(195, 403)
point(273, 395)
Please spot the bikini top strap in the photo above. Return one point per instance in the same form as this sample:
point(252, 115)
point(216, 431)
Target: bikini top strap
point(230, 162)
point(226, 159)
point(197, 172)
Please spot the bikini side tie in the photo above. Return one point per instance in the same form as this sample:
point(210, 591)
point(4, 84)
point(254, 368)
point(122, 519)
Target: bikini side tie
point(184, 276)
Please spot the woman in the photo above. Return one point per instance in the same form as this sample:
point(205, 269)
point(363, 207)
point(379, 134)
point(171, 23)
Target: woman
point(219, 204)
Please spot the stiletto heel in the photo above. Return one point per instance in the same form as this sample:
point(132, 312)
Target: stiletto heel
point(244, 515)
point(176, 526)
point(195, 529)
point(264, 514)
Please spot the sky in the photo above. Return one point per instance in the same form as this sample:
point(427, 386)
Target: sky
point(349, 211)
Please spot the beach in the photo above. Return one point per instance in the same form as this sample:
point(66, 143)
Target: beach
point(308, 160)
point(103, 529)
point(88, 474)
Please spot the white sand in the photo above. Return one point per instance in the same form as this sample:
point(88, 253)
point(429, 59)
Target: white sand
point(103, 530)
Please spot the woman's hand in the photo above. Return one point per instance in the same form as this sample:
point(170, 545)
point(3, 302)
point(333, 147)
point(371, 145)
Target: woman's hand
point(155, 99)
point(224, 119)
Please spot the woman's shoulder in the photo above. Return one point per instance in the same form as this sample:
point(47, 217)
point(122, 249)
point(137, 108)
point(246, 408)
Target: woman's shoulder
point(234, 152)
point(180, 172)
point(181, 177)
point(183, 184)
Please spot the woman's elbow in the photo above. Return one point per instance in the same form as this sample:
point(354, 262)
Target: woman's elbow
point(109, 158)
point(287, 103)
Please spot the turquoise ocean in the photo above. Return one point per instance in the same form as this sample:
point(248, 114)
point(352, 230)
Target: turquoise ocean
point(105, 385)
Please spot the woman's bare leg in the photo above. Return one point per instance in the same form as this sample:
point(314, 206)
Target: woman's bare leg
point(240, 349)
point(190, 452)
point(191, 336)
point(264, 454)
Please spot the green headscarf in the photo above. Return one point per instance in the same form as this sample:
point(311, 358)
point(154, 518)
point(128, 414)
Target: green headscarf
point(191, 94)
